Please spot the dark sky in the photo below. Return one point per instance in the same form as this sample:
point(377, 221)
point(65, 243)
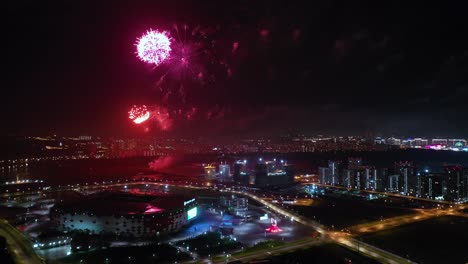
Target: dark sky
point(308, 66)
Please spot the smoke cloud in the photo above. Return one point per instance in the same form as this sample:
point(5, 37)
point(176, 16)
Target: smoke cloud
point(161, 163)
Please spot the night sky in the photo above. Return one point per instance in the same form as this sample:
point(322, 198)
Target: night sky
point(304, 67)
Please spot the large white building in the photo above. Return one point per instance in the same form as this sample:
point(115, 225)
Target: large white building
point(125, 214)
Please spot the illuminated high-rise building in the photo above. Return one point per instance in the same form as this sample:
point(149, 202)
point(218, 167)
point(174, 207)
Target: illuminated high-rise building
point(323, 175)
point(435, 186)
point(241, 174)
point(261, 173)
point(407, 172)
point(464, 185)
point(453, 179)
point(348, 178)
point(210, 172)
point(371, 178)
point(393, 183)
point(333, 172)
point(421, 185)
point(273, 173)
point(381, 179)
point(361, 179)
point(224, 171)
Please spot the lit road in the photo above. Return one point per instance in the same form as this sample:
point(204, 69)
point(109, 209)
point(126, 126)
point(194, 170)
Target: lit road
point(337, 237)
point(276, 251)
point(19, 245)
point(422, 214)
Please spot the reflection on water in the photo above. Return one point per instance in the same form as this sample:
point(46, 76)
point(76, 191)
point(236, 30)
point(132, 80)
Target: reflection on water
point(16, 173)
point(73, 171)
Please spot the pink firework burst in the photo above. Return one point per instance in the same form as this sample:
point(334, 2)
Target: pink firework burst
point(154, 47)
point(186, 65)
point(139, 114)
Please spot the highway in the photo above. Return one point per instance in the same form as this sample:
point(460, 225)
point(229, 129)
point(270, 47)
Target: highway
point(19, 245)
point(276, 251)
point(421, 214)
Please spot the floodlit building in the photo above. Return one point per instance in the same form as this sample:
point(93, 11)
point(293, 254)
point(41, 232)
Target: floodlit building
point(238, 205)
point(371, 178)
point(394, 141)
point(406, 171)
point(224, 172)
point(273, 173)
point(393, 183)
point(348, 178)
point(333, 172)
point(210, 172)
point(439, 141)
point(125, 214)
point(241, 174)
point(456, 143)
point(323, 175)
point(382, 179)
point(419, 142)
point(455, 183)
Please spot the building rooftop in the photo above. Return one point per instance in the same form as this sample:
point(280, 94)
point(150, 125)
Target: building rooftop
point(121, 203)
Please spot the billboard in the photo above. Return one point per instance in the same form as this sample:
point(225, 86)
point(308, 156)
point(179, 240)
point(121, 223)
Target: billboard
point(192, 213)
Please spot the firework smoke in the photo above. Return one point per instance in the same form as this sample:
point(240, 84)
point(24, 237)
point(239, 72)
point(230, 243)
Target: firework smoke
point(161, 163)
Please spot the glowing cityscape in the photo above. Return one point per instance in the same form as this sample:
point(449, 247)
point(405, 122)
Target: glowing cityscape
point(234, 132)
